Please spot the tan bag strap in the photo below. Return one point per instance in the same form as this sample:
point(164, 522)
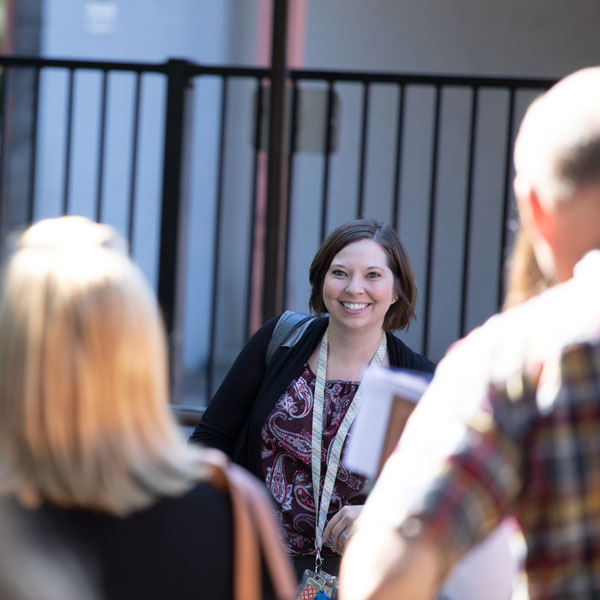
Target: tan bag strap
point(254, 528)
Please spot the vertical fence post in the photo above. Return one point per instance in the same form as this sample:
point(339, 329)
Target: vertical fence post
point(18, 123)
point(174, 212)
point(276, 210)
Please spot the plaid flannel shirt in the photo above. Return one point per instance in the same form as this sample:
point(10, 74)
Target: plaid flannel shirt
point(511, 426)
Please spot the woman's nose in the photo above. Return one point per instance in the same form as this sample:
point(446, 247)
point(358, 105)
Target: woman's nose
point(354, 285)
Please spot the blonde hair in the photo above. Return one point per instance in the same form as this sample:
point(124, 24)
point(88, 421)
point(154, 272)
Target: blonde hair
point(84, 416)
point(525, 278)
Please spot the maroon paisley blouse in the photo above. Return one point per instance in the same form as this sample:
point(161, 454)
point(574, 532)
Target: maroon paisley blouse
point(286, 458)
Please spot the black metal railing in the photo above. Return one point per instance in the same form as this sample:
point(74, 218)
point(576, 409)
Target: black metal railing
point(13, 65)
point(428, 154)
point(438, 84)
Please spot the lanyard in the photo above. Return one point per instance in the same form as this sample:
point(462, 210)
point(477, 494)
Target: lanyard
point(335, 450)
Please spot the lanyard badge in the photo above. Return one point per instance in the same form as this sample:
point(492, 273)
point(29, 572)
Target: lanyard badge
point(319, 585)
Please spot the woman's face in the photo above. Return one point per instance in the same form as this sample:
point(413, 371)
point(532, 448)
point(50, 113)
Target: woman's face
point(359, 286)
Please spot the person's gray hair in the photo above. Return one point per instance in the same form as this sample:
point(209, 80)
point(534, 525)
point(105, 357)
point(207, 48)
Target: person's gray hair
point(557, 149)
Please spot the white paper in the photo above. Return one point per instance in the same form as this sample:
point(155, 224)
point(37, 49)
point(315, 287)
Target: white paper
point(367, 434)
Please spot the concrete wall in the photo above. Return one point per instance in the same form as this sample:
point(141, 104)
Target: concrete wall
point(545, 38)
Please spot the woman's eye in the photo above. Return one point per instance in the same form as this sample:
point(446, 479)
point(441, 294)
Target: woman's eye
point(338, 273)
point(373, 275)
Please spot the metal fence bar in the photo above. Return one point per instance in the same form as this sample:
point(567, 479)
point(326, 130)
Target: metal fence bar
point(94, 65)
point(174, 205)
point(33, 148)
point(398, 158)
point(364, 129)
point(506, 196)
point(230, 72)
point(258, 122)
point(417, 79)
point(294, 74)
point(290, 167)
point(326, 159)
point(101, 141)
point(134, 157)
point(275, 206)
point(217, 237)
point(68, 134)
point(431, 223)
point(468, 211)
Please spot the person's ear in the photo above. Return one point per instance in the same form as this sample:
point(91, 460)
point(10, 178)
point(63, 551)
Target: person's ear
point(539, 223)
point(543, 218)
point(537, 219)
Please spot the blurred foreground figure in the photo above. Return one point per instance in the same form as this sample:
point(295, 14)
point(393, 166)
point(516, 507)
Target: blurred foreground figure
point(33, 567)
point(511, 423)
point(89, 451)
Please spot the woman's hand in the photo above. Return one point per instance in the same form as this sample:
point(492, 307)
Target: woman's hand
point(338, 528)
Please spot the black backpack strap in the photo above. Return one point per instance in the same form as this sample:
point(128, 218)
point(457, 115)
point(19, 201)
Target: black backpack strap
point(289, 329)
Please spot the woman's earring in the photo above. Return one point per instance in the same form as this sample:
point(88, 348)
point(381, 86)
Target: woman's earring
point(394, 298)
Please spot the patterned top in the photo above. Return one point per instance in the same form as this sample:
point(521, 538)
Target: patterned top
point(511, 425)
point(286, 458)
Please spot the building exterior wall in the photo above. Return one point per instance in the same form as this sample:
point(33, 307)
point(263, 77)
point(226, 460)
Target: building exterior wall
point(539, 38)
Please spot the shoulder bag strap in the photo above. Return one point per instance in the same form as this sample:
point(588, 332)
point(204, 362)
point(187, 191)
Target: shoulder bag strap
point(255, 533)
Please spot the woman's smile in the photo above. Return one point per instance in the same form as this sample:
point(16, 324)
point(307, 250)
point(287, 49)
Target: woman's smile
point(354, 307)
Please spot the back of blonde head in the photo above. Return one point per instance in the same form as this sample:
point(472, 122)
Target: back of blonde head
point(84, 417)
point(557, 149)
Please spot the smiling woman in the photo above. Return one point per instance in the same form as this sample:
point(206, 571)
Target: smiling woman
point(358, 288)
point(288, 422)
point(393, 257)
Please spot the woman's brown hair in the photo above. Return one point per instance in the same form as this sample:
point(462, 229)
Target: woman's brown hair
point(400, 313)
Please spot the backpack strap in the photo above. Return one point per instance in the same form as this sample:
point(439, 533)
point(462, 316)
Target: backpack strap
point(289, 329)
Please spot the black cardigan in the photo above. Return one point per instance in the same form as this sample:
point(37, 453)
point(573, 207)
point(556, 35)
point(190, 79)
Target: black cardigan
point(235, 416)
